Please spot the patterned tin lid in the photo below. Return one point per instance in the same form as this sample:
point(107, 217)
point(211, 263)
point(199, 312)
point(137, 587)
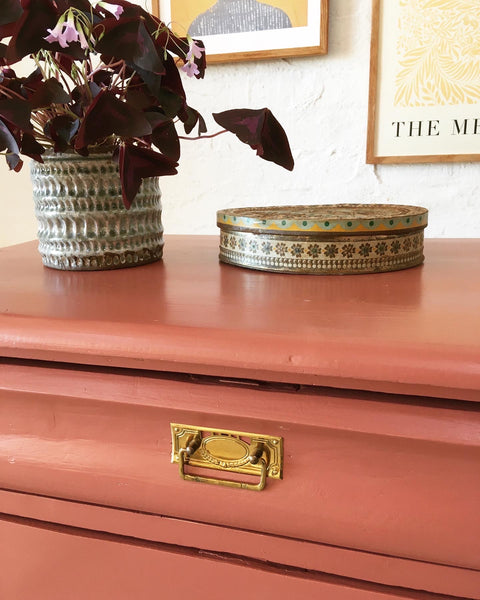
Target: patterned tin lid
point(353, 219)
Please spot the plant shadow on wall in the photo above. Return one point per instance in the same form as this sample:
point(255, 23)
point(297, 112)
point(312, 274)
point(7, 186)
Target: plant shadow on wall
point(106, 80)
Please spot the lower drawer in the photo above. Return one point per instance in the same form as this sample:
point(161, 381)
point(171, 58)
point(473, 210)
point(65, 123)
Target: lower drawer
point(376, 473)
point(47, 562)
point(257, 548)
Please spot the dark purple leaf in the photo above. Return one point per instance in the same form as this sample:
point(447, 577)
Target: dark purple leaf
point(164, 135)
point(35, 78)
point(9, 72)
point(261, 131)
point(29, 31)
point(103, 77)
point(167, 40)
point(170, 102)
point(156, 117)
point(16, 111)
point(107, 115)
point(128, 39)
point(62, 60)
point(82, 97)
point(50, 92)
point(171, 79)
point(30, 147)
point(9, 143)
point(27, 86)
point(190, 117)
point(14, 162)
point(61, 130)
point(31, 28)
point(83, 94)
point(74, 49)
point(83, 5)
point(10, 10)
point(3, 52)
point(65, 62)
point(135, 164)
point(167, 89)
point(139, 97)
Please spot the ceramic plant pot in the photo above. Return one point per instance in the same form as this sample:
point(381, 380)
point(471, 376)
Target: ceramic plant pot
point(82, 223)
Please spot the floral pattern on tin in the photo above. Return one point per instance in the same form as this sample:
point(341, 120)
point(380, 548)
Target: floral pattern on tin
point(331, 250)
point(266, 248)
point(296, 250)
point(395, 247)
point(314, 250)
point(338, 255)
point(348, 250)
point(381, 248)
point(365, 250)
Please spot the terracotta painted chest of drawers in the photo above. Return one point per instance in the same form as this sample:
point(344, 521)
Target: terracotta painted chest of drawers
point(371, 383)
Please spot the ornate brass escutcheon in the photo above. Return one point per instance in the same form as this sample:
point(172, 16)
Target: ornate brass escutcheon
point(228, 451)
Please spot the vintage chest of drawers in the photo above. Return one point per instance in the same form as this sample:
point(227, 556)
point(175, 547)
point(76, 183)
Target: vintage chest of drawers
point(363, 392)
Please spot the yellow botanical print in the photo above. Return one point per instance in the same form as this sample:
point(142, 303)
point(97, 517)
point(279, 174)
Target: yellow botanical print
point(438, 52)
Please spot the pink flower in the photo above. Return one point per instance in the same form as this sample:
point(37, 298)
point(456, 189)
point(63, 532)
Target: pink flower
point(190, 69)
point(115, 9)
point(83, 40)
point(56, 34)
point(195, 51)
point(64, 32)
point(70, 34)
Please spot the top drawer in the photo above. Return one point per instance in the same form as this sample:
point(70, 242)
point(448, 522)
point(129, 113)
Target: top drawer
point(384, 474)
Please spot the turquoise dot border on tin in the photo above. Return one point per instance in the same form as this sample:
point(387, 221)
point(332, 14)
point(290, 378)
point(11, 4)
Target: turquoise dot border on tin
point(412, 221)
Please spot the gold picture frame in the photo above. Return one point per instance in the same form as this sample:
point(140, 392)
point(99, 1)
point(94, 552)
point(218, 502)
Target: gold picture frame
point(305, 32)
point(424, 97)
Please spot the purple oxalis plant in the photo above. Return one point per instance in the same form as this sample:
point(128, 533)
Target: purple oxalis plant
point(107, 78)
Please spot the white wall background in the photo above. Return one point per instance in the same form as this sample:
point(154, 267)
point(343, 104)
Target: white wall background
point(322, 103)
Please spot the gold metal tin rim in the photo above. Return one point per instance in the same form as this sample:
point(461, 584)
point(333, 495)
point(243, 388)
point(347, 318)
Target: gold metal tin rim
point(328, 219)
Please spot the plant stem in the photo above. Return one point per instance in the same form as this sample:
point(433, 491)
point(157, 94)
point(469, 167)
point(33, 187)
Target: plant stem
point(10, 93)
point(202, 137)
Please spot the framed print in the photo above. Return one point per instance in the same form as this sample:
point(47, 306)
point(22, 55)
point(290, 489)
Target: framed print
point(234, 30)
point(424, 102)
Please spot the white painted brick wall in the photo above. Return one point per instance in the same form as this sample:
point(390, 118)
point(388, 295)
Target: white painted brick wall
point(322, 103)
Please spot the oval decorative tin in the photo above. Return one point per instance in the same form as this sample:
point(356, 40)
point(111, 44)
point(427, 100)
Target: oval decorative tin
point(323, 239)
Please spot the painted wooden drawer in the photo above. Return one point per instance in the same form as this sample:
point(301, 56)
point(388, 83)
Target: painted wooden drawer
point(60, 562)
point(362, 471)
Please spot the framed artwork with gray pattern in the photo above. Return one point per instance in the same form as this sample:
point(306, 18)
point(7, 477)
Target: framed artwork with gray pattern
point(236, 30)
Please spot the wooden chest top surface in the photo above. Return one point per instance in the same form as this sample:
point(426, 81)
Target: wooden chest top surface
point(378, 488)
point(415, 331)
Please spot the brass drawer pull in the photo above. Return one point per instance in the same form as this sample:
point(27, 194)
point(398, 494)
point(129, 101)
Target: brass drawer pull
point(228, 451)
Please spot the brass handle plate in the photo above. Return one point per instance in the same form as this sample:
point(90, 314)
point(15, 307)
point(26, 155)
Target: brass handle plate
point(227, 451)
